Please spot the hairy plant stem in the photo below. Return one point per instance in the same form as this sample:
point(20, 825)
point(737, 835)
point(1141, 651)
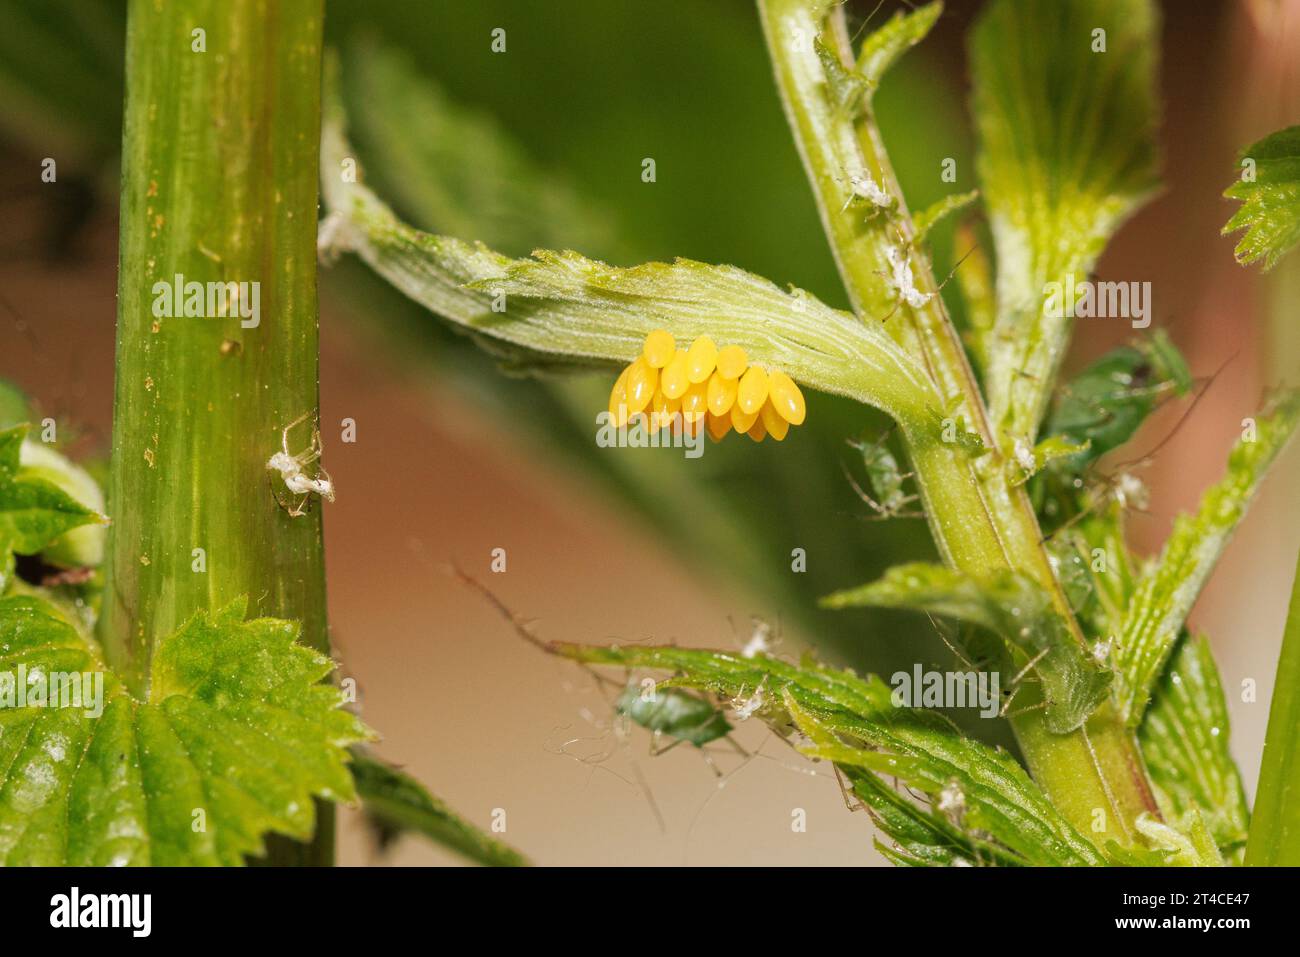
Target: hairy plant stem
point(979, 521)
point(219, 185)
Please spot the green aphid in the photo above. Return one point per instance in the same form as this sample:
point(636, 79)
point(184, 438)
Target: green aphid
point(889, 496)
point(673, 713)
point(1104, 406)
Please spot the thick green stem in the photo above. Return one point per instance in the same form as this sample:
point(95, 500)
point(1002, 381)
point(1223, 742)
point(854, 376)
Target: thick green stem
point(219, 186)
point(980, 522)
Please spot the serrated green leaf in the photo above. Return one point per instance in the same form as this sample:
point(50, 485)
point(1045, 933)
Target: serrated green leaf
point(561, 304)
point(884, 46)
point(1067, 153)
point(233, 739)
point(399, 804)
point(853, 722)
point(34, 512)
point(926, 219)
point(1009, 605)
point(1184, 740)
point(1169, 587)
point(1270, 210)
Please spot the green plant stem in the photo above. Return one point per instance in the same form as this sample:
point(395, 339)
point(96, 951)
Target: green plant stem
point(1275, 826)
point(979, 521)
point(219, 184)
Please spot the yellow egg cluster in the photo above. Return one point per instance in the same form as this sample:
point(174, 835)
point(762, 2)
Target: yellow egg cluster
point(708, 387)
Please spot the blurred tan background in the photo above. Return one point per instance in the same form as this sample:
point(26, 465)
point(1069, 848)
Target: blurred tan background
point(488, 721)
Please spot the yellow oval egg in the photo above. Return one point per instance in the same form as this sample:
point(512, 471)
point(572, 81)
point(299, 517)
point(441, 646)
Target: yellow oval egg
point(695, 401)
point(718, 426)
point(752, 391)
point(674, 380)
point(732, 361)
point(757, 431)
point(659, 348)
point(776, 426)
point(642, 380)
point(701, 358)
point(664, 409)
point(741, 420)
point(722, 393)
point(786, 397)
point(618, 397)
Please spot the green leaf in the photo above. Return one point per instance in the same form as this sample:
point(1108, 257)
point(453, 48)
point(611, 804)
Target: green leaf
point(853, 722)
point(1067, 153)
point(883, 47)
point(1275, 828)
point(1007, 604)
point(920, 836)
point(1169, 587)
point(926, 219)
point(399, 804)
point(1184, 740)
point(563, 305)
point(34, 512)
point(234, 737)
point(1270, 210)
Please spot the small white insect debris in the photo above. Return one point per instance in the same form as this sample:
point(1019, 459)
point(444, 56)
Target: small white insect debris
point(1101, 650)
point(1131, 492)
point(292, 469)
point(902, 280)
point(759, 641)
point(961, 862)
point(1025, 456)
point(952, 801)
point(862, 186)
point(746, 708)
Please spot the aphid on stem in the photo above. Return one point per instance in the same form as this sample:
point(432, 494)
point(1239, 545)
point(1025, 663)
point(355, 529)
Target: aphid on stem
point(292, 468)
point(886, 480)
